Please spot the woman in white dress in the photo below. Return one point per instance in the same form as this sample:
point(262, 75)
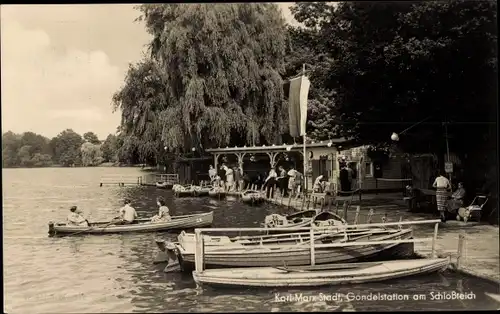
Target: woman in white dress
point(229, 179)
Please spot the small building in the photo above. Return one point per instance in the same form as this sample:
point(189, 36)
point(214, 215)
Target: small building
point(325, 157)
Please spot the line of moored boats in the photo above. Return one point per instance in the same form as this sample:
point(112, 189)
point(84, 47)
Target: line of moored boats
point(308, 248)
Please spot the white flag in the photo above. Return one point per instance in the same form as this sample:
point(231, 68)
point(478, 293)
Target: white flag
point(297, 109)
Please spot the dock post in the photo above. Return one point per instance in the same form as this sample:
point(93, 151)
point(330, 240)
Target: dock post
point(345, 210)
point(461, 249)
point(308, 202)
point(434, 240)
point(356, 217)
point(303, 202)
point(336, 207)
point(370, 215)
point(311, 242)
point(198, 256)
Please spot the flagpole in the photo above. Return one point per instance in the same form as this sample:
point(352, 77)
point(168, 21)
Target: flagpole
point(304, 137)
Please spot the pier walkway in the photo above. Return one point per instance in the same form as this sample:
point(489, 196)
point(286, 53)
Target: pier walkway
point(473, 247)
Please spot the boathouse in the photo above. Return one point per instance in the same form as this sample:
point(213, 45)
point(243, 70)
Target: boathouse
point(322, 157)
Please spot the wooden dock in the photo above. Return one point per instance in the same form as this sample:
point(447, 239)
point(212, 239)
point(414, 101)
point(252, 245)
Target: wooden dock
point(151, 179)
point(120, 180)
point(473, 247)
point(144, 180)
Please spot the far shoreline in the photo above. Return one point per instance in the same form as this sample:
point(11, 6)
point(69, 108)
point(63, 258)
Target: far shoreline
point(103, 165)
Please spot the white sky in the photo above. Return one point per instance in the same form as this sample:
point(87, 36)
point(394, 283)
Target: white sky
point(61, 64)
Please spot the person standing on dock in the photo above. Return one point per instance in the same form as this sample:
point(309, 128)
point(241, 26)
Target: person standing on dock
point(283, 181)
point(298, 183)
point(212, 173)
point(237, 178)
point(292, 173)
point(76, 218)
point(222, 176)
point(442, 185)
point(229, 179)
point(270, 183)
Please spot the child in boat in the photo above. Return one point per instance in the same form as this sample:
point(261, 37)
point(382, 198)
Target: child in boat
point(163, 212)
point(75, 218)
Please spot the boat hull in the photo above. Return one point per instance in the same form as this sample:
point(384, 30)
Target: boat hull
point(255, 256)
point(184, 193)
point(184, 222)
point(163, 185)
point(274, 277)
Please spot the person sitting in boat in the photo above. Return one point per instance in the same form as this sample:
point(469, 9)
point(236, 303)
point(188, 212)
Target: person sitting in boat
point(163, 212)
point(457, 199)
point(127, 214)
point(75, 218)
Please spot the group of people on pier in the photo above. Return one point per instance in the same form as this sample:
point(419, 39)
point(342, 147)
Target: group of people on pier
point(287, 182)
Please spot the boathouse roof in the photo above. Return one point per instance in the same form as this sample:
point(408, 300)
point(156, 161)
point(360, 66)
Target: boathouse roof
point(266, 148)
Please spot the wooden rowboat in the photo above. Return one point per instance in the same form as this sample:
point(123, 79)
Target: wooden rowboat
point(141, 225)
point(304, 219)
point(217, 193)
point(252, 196)
point(321, 236)
point(324, 236)
point(295, 254)
point(183, 190)
point(201, 190)
point(319, 275)
point(163, 185)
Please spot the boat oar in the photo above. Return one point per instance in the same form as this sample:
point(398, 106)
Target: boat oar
point(88, 229)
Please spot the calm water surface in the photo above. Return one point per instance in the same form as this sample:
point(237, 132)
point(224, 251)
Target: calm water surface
point(115, 273)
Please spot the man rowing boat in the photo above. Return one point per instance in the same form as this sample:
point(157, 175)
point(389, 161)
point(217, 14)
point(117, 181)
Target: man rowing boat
point(127, 214)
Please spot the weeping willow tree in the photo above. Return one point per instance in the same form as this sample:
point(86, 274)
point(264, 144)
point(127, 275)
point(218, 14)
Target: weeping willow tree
point(220, 67)
point(141, 100)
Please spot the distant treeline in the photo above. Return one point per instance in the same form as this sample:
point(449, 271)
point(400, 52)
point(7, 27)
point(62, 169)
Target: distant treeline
point(67, 149)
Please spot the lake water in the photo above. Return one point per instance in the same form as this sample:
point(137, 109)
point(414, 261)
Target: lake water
point(115, 273)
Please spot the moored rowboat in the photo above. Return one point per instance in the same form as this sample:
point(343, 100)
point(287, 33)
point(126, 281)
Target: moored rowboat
point(202, 190)
point(319, 275)
point(296, 254)
point(183, 190)
point(141, 225)
point(163, 185)
point(252, 196)
point(217, 192)
point(303, 219)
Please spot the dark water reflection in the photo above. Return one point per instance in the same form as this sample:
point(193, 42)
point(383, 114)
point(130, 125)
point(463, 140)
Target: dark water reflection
point(114, 273)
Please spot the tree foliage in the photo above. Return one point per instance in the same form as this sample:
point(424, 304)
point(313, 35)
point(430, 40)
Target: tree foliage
point(218, 68)
point(66, 148)
point(141, 101)
point(91, 154)
point(394, 64)
point(110, 149)
point(92, 138)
